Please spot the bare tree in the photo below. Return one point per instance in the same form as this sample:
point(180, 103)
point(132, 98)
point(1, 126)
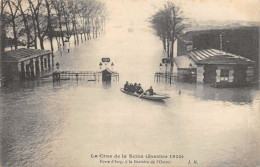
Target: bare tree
point(168, 24)
point(13, 9)
point(37, 20)
point(2, 36)
point(25, 16)
point(57, 5)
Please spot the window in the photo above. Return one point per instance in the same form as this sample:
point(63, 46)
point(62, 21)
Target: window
point(224, 75)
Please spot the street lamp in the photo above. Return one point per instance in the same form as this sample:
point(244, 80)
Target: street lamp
point(112, 65)
point(161, 66)
point(57, 66)
point(220, 37)
point(227, 45)
point(100, 65)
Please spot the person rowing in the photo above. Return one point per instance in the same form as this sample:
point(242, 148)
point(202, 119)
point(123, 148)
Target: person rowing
point(150, 90)
point(148, 94)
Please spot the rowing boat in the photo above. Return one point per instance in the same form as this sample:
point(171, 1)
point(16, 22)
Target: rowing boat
point(146, 96)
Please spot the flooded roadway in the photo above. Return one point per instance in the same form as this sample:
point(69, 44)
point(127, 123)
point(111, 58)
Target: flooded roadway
point(46, 124)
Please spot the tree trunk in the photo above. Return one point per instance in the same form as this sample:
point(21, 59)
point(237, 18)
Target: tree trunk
point(35, 30)
point(49, 26)
point(75, 42)
point(41, 43)
point(168, 49)
point(164, 44)
point(77, 35)
point(39, 32)
point(85, 36)
point(35, 34)
point(14, 32)
point(96, 31)
point(28, 39)
point(171, 56)
point(61, 32)
point(81, 38)
point(51, 41)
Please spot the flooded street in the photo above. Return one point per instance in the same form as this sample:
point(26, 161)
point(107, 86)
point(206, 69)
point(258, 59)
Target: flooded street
point(62, 124)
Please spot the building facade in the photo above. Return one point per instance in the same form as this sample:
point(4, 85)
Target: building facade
point(21, 64)
point(222, 69)
point(219, 68)
point(242, 41)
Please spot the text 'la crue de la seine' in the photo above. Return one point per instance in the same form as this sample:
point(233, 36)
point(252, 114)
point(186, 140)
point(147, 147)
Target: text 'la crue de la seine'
point(135, 158)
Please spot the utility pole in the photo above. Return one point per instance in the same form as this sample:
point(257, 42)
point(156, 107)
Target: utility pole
point(220, 47)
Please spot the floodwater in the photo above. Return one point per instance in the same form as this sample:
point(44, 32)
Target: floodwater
point(62, 124)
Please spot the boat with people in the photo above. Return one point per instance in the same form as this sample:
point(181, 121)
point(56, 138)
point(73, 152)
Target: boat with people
point(137, 91)
point(147, 96)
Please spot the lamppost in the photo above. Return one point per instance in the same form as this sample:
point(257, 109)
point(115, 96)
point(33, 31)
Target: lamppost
point(57, 66)
point(227, 45)
point(112, 65)
point(100, 65)
point(220, 37)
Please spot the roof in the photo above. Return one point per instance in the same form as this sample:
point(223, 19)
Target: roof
point(183, 62)
point(214, 56)
point(23, 54)
point(109, 70)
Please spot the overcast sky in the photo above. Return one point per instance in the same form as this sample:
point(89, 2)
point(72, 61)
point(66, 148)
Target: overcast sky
point(137, 11)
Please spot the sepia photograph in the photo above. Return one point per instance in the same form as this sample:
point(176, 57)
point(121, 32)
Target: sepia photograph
point(129, 83)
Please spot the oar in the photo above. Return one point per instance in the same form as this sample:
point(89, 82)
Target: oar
point(141, 94)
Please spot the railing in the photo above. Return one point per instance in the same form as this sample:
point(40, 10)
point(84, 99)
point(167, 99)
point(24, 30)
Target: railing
point(74, 75)
point(164, 77)
point(80, 75)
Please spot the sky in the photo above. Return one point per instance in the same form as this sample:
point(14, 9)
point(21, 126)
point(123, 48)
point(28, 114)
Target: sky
point(138, 11)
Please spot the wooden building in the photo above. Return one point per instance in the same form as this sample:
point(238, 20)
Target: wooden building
point(25, 63)
point(222, 69)
point(242, 41)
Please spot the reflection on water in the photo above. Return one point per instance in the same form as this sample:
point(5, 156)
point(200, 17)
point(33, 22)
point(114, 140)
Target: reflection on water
point(61, 124)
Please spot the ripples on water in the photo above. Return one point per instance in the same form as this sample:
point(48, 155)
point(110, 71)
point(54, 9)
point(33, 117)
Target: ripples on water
point(62, 124)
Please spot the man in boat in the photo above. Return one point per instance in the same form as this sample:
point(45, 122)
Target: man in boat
point(131, 88)
point(126, 86)
point(139, 89)
point(135, 87)
point(150, 90)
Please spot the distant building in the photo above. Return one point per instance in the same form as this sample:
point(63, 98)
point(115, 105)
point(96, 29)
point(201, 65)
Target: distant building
point(242, 41)
point(220, 68)
point(24, 63)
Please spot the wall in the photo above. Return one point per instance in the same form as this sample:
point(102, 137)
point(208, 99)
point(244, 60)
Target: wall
point(210, 73)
